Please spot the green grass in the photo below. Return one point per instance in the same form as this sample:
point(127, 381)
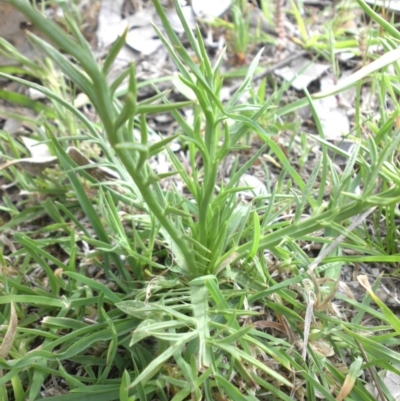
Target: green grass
point(128, 289)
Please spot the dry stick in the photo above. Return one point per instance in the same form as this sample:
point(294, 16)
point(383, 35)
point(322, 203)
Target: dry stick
point(357, 221)
point(310, 272)
point(280, 25)
point(333, 245)
point(372, 372)
point(279, 64)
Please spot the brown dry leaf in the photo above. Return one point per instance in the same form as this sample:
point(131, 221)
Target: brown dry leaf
point(344, 289)
point(40, 159)
point(322, 348)
point(347, 387)
point(227, 261)
point(8, 339)
point(309, 296)
point(99, 173)
point(8, 243)
point(264, 324)
point(33, 166)
point(323, 304)
point(363, 280)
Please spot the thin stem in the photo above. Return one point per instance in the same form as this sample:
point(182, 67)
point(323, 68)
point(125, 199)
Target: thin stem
point(157, 209)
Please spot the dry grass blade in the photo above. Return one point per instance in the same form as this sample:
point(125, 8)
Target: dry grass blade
point(9, 337)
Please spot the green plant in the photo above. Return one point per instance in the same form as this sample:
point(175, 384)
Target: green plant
point(240, 35)
point(189, 272)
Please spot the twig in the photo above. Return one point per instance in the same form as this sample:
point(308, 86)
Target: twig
point(310, 301)
point(372, 372)
point(339, 239)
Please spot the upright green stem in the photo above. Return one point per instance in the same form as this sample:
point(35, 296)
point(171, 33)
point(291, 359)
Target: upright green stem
point(107, 112)
point(210, 177)
point(157, 209)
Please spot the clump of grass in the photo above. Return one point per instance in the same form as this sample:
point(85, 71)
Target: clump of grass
point(187, 280)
